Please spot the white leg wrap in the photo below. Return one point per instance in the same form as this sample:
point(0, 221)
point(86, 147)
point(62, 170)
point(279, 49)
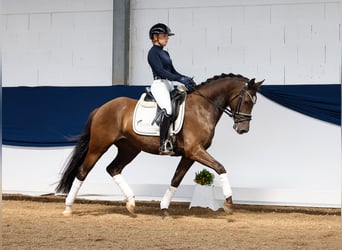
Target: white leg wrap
point(165, 202)
point(227, 191)
point(125, 188)
point(76, 185)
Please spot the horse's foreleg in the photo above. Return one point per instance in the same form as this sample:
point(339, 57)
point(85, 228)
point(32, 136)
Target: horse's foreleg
point(183, 167)
point(227, 192)
point(226, 188)
point(203, 157)
point(165, 201)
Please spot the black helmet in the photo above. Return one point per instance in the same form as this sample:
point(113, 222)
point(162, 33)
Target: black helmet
point(160, 28)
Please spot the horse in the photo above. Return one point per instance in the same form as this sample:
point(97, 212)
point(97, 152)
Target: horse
point(111, 124)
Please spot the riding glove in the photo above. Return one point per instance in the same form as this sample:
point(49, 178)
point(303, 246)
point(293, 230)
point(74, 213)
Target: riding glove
point(188, 82)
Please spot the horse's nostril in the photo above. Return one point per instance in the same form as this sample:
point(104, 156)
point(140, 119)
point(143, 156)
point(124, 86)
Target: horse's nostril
point(242, 131)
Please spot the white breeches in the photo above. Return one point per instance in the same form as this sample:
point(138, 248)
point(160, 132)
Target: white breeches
point(161, 91)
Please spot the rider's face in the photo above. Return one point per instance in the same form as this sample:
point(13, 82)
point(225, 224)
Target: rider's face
point(162, 39)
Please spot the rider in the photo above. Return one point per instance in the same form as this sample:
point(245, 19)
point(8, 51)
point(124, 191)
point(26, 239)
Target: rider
point(163, 74)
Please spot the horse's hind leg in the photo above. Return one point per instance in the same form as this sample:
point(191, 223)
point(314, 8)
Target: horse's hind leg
point(126, 153)
point(182, 168)
point(89, 162)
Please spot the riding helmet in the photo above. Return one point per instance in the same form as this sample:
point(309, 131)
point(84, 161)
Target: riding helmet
point(160, 28)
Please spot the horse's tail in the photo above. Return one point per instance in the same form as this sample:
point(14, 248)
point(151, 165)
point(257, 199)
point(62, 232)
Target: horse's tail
point(77, 157)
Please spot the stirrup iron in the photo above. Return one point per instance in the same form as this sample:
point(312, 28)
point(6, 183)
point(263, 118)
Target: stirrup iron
point(166, 148)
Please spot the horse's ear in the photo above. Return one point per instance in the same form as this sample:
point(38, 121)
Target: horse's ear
point(257, 85)
point(253, 84)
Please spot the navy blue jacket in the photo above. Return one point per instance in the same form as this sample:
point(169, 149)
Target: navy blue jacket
point(161, 64)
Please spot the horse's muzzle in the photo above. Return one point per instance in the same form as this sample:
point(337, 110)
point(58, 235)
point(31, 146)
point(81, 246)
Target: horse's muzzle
point(241, 128)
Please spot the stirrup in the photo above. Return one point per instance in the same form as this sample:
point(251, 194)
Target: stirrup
point(166, 148)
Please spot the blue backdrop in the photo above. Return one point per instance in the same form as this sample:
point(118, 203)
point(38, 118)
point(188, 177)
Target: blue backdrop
point(319, 101)
point(52, 116)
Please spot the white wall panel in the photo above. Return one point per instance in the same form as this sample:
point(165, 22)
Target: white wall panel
point(286, 34)
point(62, 22)
point(306, 55)
point(260, 15)
point(332, 10)
point(17, 23)
point(57, 43)
point(326, 32)
point(282, 54)
point(298, 33)
point(299, 13)
point(40, 22)
point(39, 6)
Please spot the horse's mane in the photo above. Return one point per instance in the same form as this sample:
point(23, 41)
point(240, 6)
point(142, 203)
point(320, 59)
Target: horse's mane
point(223, 75)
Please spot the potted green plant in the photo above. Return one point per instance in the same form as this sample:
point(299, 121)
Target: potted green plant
point(204, 177)
point(204, 192)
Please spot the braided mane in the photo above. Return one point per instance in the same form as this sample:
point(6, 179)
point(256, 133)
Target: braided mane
point(223, 75)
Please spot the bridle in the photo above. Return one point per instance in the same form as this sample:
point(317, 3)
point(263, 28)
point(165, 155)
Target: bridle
point(237, 116)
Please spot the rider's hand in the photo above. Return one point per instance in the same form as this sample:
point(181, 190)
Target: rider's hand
point(188, 82)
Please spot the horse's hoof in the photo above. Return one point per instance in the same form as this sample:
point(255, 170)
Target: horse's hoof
point(67, 211)
point(228, 206)
point(130, 205)
point(168, 217)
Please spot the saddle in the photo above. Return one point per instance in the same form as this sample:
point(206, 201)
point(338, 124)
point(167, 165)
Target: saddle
point(177, 98)
point(147, 114)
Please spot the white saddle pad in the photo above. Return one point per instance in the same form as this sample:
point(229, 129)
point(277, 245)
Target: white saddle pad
point(143, 116)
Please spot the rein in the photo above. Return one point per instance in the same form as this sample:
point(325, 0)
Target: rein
point(236, 115)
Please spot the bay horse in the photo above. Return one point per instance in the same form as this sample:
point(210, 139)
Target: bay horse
point(112, 123)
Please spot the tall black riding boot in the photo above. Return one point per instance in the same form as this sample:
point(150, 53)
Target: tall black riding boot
point(166, 147)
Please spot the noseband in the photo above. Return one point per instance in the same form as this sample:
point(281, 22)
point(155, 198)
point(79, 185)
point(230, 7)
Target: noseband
point(236, 115)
